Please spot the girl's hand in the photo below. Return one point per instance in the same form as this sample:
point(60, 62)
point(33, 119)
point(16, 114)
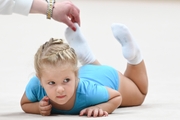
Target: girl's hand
point(93, 111)
point(45, 107)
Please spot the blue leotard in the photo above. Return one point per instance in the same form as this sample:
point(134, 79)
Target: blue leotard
point(91, 90)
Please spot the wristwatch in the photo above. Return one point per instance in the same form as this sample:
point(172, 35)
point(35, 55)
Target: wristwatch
point(50, 8)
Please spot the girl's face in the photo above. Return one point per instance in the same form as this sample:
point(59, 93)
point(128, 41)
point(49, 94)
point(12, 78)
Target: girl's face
point(59, 83)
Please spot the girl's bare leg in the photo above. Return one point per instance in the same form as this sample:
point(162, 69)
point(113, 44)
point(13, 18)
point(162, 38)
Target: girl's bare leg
point(133, 85)
point(134, 82)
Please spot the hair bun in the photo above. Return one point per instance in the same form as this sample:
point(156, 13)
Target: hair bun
point(57, 41)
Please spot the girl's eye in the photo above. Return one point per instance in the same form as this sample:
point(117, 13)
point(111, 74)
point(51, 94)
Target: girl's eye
point(51, 83)
point(66, 80)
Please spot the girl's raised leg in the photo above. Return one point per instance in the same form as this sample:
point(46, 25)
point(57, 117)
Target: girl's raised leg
point(134, 82)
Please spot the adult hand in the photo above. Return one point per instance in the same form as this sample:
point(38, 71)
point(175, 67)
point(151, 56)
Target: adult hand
point(45, 107)
point(67, 13)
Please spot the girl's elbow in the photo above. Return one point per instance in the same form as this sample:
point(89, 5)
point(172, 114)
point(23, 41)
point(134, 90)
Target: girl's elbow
point(23, 108)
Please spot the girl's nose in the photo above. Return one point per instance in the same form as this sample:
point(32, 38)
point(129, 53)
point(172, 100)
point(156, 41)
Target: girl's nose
point(60, 89)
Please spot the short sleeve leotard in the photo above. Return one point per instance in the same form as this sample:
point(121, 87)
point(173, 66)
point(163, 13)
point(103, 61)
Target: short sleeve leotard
point(91, 89)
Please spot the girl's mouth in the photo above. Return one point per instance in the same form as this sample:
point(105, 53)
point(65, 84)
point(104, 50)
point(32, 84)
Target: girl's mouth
point(62, 96)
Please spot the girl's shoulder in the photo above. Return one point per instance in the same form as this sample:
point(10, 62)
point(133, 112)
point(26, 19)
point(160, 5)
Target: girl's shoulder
point(91, 92)
point(34, 90)
point(35, 80)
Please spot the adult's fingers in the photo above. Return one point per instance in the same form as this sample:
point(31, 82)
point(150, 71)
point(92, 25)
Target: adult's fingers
point(70, 24)
point(75, 13)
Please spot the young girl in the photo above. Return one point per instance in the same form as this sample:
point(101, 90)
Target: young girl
point(60, 87)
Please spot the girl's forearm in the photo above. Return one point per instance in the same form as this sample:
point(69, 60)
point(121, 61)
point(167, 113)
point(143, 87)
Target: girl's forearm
point(111, 105)
point(39, 6)
point(31, 108)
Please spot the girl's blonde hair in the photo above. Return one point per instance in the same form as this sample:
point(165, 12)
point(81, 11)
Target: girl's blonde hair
point(54, 52)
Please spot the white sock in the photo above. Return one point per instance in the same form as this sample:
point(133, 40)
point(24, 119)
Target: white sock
point(130, 48)
point(77, 41)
